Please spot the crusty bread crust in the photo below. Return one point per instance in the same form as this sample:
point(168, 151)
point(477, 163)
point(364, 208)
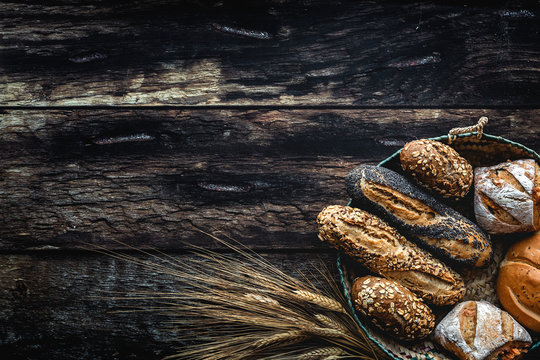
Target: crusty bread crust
point(522, 298)
point(506, 197)
point(392, 308)
point(437, 167)
point(419, 216)
point(381, 249)
point(492, 333)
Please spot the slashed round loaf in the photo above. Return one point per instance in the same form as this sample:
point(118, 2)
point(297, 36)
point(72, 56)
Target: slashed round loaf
point(518, 283)
point(382, 250)
point(437, 167)
point(478, 330)
point(419, 216)
point(392, 308)
point(507, 197)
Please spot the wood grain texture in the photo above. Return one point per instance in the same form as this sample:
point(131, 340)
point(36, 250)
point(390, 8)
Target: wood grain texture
point(150, 177)
point(279, 53)
point(59, 305)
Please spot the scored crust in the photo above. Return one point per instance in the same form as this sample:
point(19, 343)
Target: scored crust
point(492, 333)
point(419, 216)
point(506, 197)
point(381, 249)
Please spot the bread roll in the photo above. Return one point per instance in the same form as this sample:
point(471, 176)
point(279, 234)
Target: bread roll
point(437, 167)
point(518, 283)
point(392, 308)
point(381, 249)
point(419, 216)
point(507, 197)
point(478, 330)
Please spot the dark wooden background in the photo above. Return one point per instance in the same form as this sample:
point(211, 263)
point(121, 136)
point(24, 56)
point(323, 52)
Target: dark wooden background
point(141, 121)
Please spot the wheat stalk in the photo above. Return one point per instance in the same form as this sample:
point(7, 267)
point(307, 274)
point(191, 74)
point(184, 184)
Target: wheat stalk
point(246, 308)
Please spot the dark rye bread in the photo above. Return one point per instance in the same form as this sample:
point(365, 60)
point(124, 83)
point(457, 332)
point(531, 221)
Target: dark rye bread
point(382, 250)
point(392, 308)
point(419, 216)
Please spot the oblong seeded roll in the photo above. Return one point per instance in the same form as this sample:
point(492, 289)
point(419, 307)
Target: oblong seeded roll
point(437, 167)
point(419, 216)
point(382, 250)
point(392, 308)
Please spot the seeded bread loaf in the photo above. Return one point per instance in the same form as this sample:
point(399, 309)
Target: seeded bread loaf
point(478, 330)
point(507, 197)
point(419, 216)
point(518, 282)
point(437, 167)
point(382, 250)
point(392, 308)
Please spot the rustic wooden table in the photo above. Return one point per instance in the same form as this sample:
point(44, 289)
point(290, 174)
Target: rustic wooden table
point(140, 121)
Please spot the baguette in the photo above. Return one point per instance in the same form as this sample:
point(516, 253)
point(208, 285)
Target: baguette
point(382, 250)
point(419, 216)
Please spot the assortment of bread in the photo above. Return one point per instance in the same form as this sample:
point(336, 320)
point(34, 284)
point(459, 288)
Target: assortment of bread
point(419, 216)
point(382, 250)
point(413, 243)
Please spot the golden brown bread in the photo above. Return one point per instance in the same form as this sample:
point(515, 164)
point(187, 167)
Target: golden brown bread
point(419, 216)
point(478, 330)
point(392, 308)
point(437, 167)
point(518, 283)
point(507, 197)
point(382, 250)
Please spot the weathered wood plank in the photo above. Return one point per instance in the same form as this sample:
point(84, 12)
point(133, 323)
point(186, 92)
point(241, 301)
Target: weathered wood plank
point(148, 176)
point(61, 306)
point(269, 53)
point(49, 306)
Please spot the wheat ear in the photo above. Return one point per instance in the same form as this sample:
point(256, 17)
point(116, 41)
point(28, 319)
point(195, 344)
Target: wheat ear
point(286, 338)
point(320, 300)
point(330, 352)
point(330, 323)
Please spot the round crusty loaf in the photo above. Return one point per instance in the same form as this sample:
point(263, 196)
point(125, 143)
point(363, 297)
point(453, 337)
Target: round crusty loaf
point(382, 250)
point(437, 167)
point(518, 283)
point(419, 216)
point(478, 330)
point(392, 308)
point(507, 197)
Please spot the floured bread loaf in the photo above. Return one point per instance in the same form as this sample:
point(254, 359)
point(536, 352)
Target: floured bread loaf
point(478, 330)
point(382, 250)
point(507, 197)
